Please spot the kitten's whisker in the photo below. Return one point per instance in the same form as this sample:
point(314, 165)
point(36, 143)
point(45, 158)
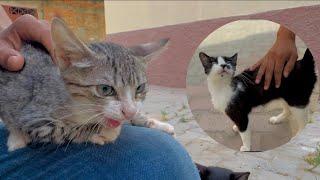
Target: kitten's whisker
point(82, 125)
point(249, 79)
point(80, 105)
point(243, 80)
point(89, 119)
point(96, 125)
point(75, 113)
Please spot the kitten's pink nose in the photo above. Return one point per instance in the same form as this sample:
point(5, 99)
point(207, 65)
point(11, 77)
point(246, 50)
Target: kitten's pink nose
point(129, 112)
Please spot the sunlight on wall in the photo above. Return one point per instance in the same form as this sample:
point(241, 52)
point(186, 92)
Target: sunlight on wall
point(133, 15)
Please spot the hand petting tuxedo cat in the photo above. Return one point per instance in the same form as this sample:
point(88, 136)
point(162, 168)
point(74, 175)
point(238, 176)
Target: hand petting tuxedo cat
point(280, 59)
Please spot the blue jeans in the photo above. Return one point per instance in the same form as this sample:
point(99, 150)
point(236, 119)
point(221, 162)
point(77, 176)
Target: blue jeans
point(139, 153)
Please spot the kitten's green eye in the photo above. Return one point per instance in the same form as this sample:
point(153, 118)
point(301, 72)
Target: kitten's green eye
point(141, 88)
point(105, 90)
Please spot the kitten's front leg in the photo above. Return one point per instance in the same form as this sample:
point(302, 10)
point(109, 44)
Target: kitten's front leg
point(141, 120)
point(106, 135)
point(17, 139)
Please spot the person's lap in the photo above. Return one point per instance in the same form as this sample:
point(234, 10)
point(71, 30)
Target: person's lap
point(139, 153)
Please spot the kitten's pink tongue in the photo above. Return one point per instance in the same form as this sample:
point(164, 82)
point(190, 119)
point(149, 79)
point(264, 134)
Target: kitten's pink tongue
point(112, 123)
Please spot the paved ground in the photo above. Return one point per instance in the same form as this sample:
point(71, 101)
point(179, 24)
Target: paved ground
point(285, 162)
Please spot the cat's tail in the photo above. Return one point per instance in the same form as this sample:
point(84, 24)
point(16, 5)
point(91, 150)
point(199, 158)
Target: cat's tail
point(307, 70)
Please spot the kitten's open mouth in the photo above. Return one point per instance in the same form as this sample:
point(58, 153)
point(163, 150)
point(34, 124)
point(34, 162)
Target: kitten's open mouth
point(112, 123)
point(222, 72)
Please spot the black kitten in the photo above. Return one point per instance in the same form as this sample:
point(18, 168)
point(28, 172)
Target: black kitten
point(237, 95)
point(217, 173)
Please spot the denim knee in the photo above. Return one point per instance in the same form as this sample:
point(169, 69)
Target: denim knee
point(138, 153)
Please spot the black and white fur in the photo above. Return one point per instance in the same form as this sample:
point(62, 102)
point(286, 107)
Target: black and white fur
point(237, 95)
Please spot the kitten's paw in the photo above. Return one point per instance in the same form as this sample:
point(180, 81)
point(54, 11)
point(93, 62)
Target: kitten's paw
point(244, 148)
point(235, 128)
point(169, 129)
point(97, 139)
point(165, 127)
point(275, 120)
point(106, 135)
point(16, 142)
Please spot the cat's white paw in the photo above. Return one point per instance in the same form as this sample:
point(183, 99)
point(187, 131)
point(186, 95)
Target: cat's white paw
point(97, 139)
point(165, 127)
point(169, 129)
point(275, 120)
point(235, 128)
point(244, 148)
point(16, 141)
point(106, 135)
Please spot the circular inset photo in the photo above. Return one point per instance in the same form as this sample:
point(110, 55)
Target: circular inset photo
point(228, 102)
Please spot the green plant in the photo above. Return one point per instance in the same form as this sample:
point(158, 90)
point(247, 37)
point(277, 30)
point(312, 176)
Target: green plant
point(183, 107)
point(164, 115)
point(313, 158)
point(310, 120)
point(183, 118)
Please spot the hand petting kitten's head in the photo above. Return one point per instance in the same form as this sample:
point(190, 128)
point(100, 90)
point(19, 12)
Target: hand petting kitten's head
point(220, 67)
point(108, 76)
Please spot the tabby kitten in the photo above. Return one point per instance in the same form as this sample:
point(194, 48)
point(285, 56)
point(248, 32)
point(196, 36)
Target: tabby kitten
point(237, 95)
point(85, 97)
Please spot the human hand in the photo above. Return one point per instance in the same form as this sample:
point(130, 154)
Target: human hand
point(279, 59)
point(24, 28)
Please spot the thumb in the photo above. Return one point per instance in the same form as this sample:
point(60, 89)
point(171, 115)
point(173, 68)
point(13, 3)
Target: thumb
point(11, 59)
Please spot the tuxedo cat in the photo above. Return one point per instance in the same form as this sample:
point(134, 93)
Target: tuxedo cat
point(237, 95)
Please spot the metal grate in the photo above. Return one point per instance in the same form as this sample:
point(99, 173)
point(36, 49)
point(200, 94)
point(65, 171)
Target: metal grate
point(21, 11)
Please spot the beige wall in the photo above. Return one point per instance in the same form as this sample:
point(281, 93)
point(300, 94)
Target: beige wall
point(132, 15)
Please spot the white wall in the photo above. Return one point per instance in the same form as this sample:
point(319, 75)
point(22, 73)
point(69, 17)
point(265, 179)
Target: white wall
point(132, 15)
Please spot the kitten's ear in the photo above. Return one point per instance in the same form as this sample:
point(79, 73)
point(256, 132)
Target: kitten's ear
point(240, 176)
point(68, 49)
point(205, 60)
point(234, 59)
point(149, 50)
point(203, 171)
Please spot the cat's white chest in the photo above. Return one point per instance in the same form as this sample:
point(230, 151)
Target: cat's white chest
point(221, 95)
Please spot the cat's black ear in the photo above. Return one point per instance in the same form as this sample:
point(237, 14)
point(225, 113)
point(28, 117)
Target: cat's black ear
point(203, 171)
point(239, 176)
point(206, 62)
point(68, 49)
point(149, 50)
point(234, 59)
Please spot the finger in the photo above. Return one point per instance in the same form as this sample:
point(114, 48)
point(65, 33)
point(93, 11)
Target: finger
point(278, 68)
point(256, 65)
point(290, 65)
point(268, 74)
point(41, 34)
point(260, 73)
point(45, 38)
point(11, 59)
